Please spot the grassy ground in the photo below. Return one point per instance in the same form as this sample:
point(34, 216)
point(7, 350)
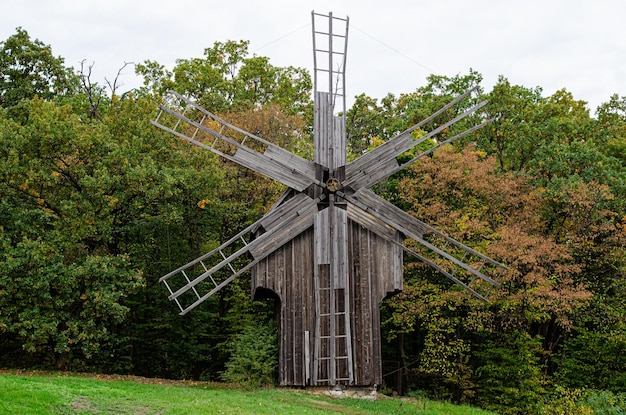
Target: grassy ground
point(57, 393)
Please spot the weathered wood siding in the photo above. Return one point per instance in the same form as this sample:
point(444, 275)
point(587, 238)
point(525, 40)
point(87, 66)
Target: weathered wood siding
point(289, 274)
point(374, 270)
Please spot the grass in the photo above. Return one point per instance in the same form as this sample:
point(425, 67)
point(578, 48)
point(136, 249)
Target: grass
point(35, 393)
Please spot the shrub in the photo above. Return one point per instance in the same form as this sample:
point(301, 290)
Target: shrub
point(254, 356)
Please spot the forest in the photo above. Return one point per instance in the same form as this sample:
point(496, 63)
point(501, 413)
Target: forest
point(96, 204)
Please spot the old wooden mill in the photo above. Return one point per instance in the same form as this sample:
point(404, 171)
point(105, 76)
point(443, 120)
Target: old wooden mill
point(330, 249)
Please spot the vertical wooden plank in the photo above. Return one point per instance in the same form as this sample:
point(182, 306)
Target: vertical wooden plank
point(310, 296)
point(322, 238)
point(321, 131)
point(350, 283)
point(372, 276)
point(360, 265)
point(296, 278)
point(377, 285)
point(339, 245)
point(307, 357)
point(398, 265)
point(339, 142)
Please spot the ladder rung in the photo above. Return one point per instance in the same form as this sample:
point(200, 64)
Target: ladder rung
point(328, 70)
point(336, 336)
point(178, 304)
point(168, 287)
point(328, 34)
point(193, 288)
point(229, 263)
point(193, 137)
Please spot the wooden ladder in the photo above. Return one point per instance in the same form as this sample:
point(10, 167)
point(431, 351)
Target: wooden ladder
point(333, 355)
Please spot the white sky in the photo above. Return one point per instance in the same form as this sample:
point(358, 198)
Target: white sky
point(579, 45)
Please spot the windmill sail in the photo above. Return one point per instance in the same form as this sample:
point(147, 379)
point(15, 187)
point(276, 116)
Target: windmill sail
point(381, 162)
point(447, 255)
point(199, 279)
point(216, 135)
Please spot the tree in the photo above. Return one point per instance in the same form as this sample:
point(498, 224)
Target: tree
point(96, 211)
point(63, 286)
point(496, 213)
point(226, 78)
point(512, 136)
point(367, 121)
point(612, 122)
point(29, 69)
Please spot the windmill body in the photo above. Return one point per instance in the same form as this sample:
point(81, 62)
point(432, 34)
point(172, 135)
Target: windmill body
point(330, 250)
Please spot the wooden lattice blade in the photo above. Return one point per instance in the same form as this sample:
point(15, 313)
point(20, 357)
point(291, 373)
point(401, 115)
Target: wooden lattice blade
point(382, 162)
point(194, 282)
point(204, 129)
point(458, 262)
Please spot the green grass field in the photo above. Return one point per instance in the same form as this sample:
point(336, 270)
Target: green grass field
point(57, 393)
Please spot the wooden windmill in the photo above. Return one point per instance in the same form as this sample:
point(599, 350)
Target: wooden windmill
point(330, 249)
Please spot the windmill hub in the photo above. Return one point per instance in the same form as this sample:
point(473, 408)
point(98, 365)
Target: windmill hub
point(333, 185)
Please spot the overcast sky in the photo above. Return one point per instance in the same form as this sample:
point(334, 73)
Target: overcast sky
point(394, 45)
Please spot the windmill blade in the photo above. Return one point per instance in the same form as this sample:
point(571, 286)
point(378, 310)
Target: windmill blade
point(382, 161)
point(460, 263)
point(204, 129)
point(199, 279)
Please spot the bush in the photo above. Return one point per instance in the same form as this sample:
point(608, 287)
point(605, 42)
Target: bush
point(581, 402)
point(565, 401)
point(605, 402)
point(254, 356)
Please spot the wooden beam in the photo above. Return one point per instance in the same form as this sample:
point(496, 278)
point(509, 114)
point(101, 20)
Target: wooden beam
point(272, 169)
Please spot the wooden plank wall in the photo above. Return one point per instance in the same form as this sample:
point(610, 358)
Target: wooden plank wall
point(374, 271)
point(288, 273)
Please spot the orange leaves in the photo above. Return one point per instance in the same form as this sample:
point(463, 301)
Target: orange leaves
point(24, 186)
point(499, 213)
point(202, 203)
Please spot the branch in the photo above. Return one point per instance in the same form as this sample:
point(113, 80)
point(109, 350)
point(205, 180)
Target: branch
point(88, 87)
point(113, 87)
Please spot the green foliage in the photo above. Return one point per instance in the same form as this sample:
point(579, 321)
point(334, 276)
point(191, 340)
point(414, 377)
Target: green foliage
point(592, 354)
point(605, 402)
point(254, 356)
point(583, 402)
point(93, 210)
point(28, 69)
point(227, 78)
point(565, 401)
point(509, 373)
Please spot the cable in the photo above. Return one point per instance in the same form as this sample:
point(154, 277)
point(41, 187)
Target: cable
point(281, 37)
point(394, 50)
